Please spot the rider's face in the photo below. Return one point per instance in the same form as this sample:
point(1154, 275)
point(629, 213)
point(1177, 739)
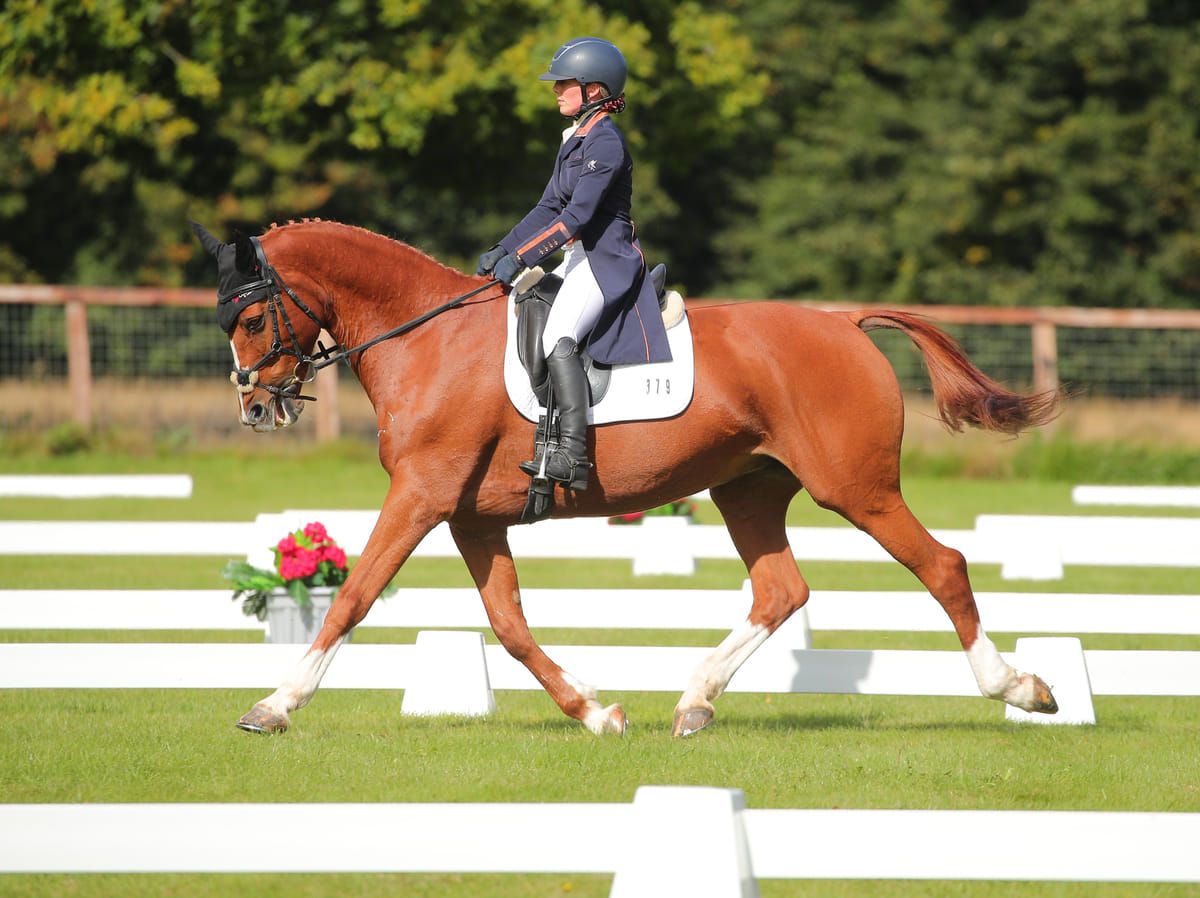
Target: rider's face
point(570, 97)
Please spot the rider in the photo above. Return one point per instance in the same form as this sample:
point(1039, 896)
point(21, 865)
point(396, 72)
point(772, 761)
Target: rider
point(606, 302)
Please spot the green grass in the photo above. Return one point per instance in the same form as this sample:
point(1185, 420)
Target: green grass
point(226, 486)
point(164, 572)
point(237, 486)
point(782, 750)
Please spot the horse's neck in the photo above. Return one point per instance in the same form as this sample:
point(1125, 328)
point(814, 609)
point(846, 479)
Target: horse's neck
point(385, 286)
point(375, 285)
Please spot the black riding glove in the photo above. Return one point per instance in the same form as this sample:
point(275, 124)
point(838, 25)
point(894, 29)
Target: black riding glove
point(488, 260)
point(508, 268)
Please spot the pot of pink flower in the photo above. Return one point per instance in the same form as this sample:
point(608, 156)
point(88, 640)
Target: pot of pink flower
point(294, 596)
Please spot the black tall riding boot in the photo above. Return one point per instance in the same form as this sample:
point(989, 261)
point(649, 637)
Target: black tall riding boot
point(568, 463)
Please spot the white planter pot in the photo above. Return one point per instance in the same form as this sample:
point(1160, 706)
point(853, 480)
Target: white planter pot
point(289, 622)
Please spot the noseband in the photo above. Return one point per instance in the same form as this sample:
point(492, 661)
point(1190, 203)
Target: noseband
point(245, 380)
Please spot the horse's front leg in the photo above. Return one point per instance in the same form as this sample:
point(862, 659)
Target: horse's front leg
point(490, 561)
point(399, 528)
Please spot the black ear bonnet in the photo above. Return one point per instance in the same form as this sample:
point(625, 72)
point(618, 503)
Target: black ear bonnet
point(242, 274)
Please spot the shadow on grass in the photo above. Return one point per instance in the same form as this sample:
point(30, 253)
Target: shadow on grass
point(858, 723)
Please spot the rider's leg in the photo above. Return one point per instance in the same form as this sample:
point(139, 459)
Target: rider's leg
point(579, 302)
point(568, 463)
point(575, 312)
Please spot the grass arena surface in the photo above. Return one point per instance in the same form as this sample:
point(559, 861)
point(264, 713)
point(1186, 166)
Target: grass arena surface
point(782, 750)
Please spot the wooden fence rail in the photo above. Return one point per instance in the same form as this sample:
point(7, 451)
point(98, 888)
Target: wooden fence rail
point(1042, 322)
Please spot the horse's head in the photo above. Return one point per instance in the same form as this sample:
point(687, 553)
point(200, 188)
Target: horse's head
point(271, 348)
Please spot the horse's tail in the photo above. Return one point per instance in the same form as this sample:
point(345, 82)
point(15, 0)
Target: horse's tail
point(962, 393)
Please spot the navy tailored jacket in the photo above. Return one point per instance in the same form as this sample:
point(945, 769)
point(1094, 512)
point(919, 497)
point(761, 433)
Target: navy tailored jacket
point(588, 199)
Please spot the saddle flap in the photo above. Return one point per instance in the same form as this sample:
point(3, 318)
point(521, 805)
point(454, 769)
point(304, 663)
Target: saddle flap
point(533, 308)
point(638, 392)
point(532, 312)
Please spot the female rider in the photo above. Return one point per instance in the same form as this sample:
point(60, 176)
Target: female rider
point(606, 302)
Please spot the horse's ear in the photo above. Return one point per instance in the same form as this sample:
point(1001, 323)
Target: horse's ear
point(210, 243)
point(246, 259)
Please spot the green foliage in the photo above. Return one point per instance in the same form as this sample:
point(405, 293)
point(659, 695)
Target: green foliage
point(1007, 154)
point(68, 438)
point(1067, 460)
point(253, 586)
point(404, 116)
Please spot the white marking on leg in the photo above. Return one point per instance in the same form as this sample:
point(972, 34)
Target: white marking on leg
point(300, 686)
point(992, 673)
point(584, 690)
point(999, 680)
point(598, 719)
point(713, 675)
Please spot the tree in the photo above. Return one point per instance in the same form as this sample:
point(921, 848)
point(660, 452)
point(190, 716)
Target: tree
point(1007, 153)
point(417, 119)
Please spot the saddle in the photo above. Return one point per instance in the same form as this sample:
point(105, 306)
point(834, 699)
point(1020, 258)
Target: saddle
point(533, 308)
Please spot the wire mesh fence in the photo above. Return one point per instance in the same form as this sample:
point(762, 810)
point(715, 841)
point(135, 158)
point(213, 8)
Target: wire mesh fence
point(164, 345)
point(125, 342)
point(1098, 362)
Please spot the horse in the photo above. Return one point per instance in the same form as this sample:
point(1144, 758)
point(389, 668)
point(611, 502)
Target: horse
point(786, 398)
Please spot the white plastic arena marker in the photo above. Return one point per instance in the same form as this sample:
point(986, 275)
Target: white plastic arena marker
point(685, 840)
point(452, 678)
point(1059, 660)
point(1027, 552)
point(96, 486)
point(793, 633)
point(663, 547)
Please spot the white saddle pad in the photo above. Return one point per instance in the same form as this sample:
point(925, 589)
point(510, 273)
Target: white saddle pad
point(644, 392)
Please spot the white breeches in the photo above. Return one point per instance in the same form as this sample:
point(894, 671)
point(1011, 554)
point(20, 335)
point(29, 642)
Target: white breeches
point(579, 303)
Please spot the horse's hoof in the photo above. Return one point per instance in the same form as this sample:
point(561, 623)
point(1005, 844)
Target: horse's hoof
point(607, 720)
point(1030, 693)
point(693, 720)
point(261, 719)
point(1043, 698)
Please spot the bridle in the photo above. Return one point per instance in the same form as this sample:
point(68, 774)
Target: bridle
point(245, 380)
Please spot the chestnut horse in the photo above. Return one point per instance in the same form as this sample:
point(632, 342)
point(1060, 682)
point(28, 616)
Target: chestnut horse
point(786, 399)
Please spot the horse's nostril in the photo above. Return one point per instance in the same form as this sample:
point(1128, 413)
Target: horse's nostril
point(257, 413)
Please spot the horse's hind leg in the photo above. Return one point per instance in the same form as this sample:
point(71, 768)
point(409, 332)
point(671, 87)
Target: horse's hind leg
point(490, 561)
point(943, 571)
point(754, 507)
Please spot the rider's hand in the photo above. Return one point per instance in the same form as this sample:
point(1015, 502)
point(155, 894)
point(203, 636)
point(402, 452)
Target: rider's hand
point(508, 268)
point(488, 260)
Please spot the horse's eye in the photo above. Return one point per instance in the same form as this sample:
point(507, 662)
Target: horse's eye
point(253, 325)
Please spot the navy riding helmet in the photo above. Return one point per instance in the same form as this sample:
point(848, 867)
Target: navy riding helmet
point(589, 60)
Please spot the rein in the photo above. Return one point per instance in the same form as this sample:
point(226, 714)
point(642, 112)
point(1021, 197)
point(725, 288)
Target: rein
point(246, 379)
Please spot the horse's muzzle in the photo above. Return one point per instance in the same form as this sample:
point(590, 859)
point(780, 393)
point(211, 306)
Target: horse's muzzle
point(260, 415)
point(280, 410)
